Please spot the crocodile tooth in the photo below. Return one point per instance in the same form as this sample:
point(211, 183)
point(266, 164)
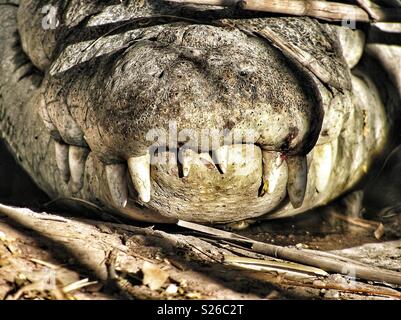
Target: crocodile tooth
point(76, 159)
point(323, 160)
point(297, 180)
point(187, 157)
point(61, 152)
point(352, 43)
point(116, 179)
point(221, 155)
point(272, 169)
point(139, 168)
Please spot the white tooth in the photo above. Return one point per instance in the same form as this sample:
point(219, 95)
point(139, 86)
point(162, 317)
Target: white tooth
point(272, 169)
point(139, 168)
point(297, 180)
point(116, 179)
point(61, 152)
point(221, 155)
point(352, 43)
point(187, 157)
point(76, 159)
point(323, 160)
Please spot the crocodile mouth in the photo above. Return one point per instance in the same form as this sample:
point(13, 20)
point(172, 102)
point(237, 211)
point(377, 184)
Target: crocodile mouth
point(232, 176)
point(212, 187)
point(218, 182)
point(293, 143)
point(226, 144)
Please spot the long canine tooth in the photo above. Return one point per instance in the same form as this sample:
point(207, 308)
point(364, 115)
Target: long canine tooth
point(61, 152)
point(116, 179)
point(221, 155)
point(188, 156)
point(352, 43)
point(272, 162)
point(323, 160)
point(139, 168)
point(76, 159)
point(297, 180)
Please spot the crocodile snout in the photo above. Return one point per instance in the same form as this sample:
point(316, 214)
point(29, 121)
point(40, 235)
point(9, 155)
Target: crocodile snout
point(165, 112)
point(176, 78)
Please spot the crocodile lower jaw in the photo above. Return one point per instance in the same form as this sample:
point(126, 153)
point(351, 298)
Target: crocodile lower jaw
point(235, 182)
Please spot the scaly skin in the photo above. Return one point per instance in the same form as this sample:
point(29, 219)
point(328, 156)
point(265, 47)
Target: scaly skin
point(96, 86)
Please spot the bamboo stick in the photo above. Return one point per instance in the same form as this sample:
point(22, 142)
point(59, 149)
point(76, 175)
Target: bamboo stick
point(307, 257)
point(332, 11)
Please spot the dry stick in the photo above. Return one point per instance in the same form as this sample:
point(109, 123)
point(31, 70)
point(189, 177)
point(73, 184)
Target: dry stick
point(330, 265)
point(367, 5)
point(332, 11)
point(378, 14)
point(339, 287)
point(309, 257)
point(370, 225)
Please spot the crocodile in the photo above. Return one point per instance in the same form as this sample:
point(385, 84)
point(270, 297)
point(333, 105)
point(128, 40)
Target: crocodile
point(161, 111)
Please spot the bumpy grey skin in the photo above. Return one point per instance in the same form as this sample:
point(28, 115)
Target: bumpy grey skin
point(112, 72)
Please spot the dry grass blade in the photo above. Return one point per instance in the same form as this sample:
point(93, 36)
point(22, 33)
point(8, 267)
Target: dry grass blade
point(332, 11)
point(376, 227)
point(44, 263)
point(212, 231)
point(273, 266)
point(78, 285)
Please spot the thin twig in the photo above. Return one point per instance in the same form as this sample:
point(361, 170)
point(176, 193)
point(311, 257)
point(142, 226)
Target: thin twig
point(278, 266)
point(370, 225)
point(342, 288)
point(376, 227)
point(44, 263)
point(78, 285)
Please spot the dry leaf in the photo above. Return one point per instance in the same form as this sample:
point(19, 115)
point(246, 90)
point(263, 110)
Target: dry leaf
point(193, 295)
point(153, 276)
point(379, 232)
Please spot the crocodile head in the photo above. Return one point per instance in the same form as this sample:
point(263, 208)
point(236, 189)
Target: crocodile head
point(163, 113)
